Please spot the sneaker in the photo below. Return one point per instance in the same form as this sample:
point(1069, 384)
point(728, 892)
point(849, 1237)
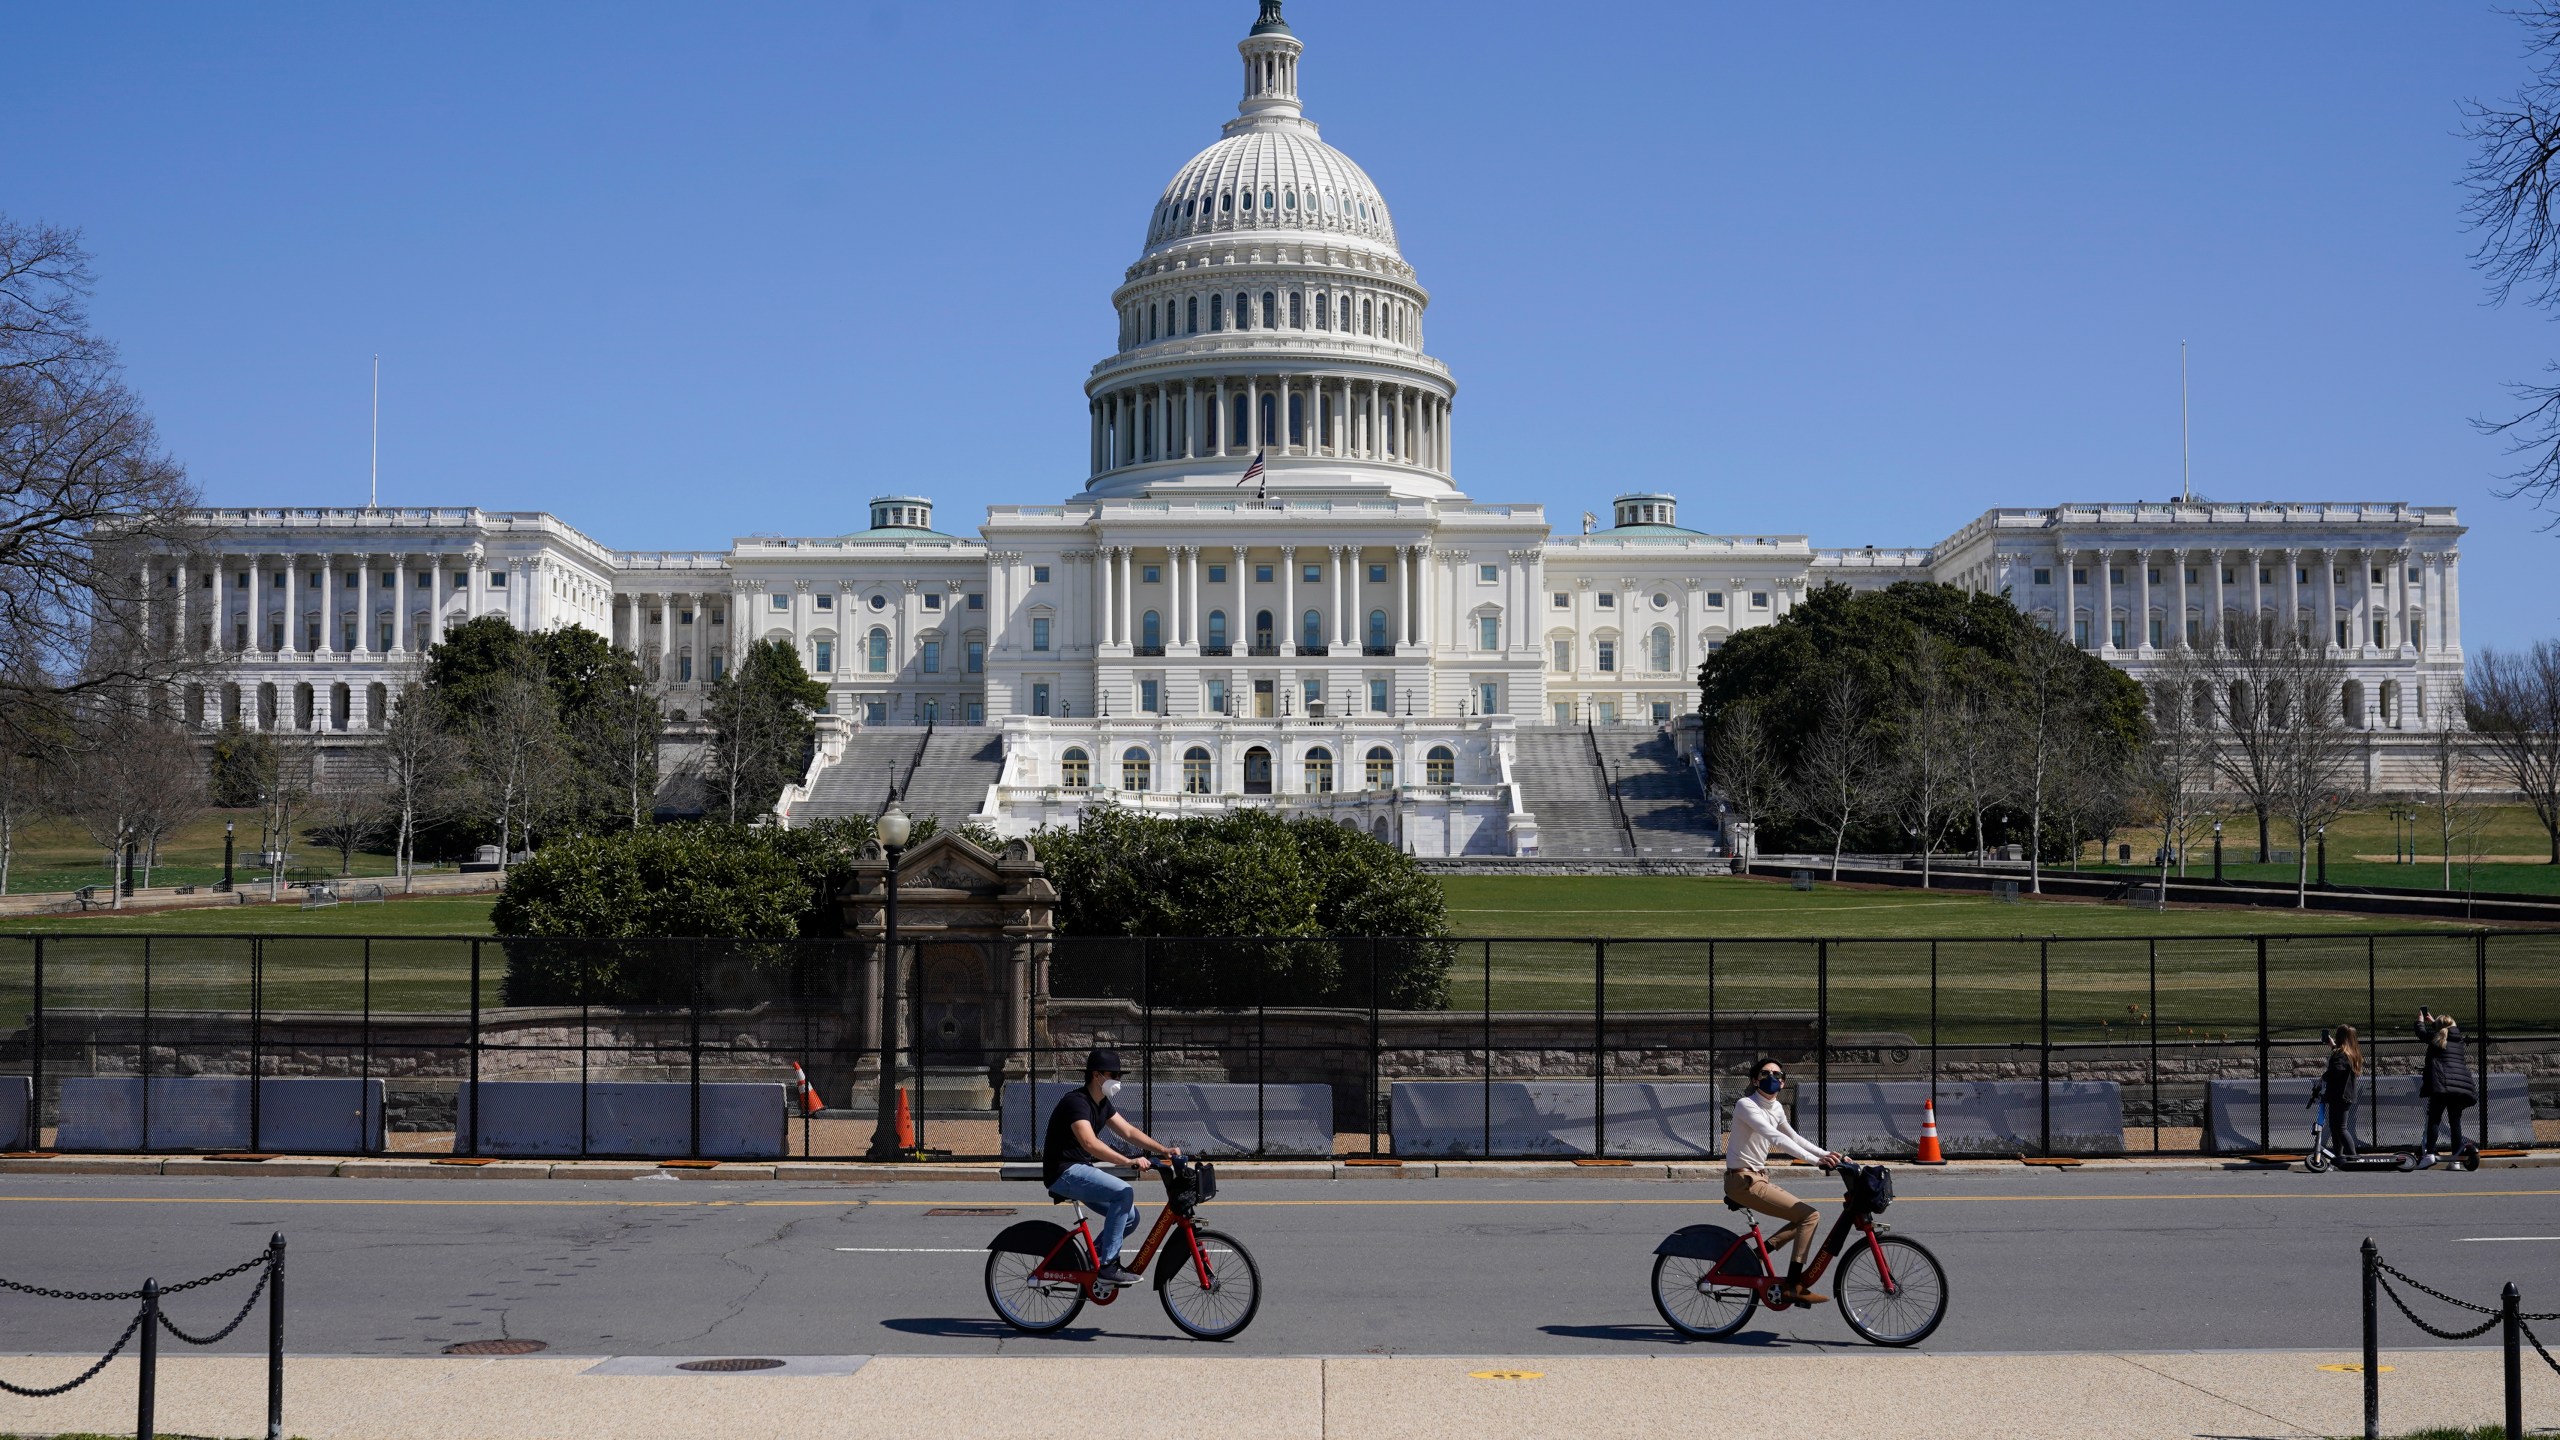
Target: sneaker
point(1114, 1273)
point(2426, 1158)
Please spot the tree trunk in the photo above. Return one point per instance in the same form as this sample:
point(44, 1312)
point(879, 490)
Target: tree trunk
point(2262, 837)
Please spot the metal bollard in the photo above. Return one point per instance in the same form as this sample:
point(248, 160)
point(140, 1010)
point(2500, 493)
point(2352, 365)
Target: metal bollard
point(275, 1337)
point(2510, 1318)
point(2372, 1344)
point(147, 1397)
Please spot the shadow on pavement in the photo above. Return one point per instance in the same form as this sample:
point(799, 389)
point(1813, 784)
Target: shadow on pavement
point(948, 1329)
point(1665, 1335)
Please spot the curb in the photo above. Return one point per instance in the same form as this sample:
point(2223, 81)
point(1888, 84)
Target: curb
point(974, 1172)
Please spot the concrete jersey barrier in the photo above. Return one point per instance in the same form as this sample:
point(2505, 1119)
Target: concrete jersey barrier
point(1686, 1118)
point(1198, 1119)
point(652, 1118)
point(2231, 1114)
point(211, 1112)
point(14, 1091)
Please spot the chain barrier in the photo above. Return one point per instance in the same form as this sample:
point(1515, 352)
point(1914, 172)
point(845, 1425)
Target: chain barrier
point(35, 1393)
point(2483, 1328)
point(217, 1336)
point(42, 1293)
point(2536, 1342)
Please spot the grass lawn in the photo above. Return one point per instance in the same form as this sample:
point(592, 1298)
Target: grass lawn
point(59, 855)
point(421, 915)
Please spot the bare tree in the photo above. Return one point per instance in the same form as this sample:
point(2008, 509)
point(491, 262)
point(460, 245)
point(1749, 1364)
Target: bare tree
point(2512, 703)
point(2513, 184)
point(1836, 781)
point(519, 760)
point(1981, 764)
point(130, 782)
point(347, 805)
point(2040, 725)
point(2177, 766)
point(175, 790)
point(2243, 667)
point(87, 501)
point(2461, 819)
point(288, 771)
point(27, 788)
point(422, 762)
point(2318, 772)
point(1928, 785)
point(1748, 772)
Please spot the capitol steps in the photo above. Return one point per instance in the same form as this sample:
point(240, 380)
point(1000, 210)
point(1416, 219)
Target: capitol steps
point(946, 773)
point(1562, 785)
point(1664, 804)
point(1566, 775)
point(951, 781)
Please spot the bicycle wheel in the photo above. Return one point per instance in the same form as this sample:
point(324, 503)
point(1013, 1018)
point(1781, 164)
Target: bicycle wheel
point(1034, 1306)
point(1902, 1312)
point(1222, 1308)
point(1696, 1310)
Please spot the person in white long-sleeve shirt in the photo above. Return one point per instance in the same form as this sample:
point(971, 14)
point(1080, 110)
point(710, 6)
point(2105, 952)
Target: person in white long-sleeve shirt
point(1760, 1122)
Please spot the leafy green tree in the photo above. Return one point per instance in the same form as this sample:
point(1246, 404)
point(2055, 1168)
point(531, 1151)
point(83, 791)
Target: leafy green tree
point(1786, 671)
point(240, 761)
point(599, 912)
point(762, 717)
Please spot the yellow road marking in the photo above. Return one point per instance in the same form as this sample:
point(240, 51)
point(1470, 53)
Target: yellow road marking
point(1506, 1374)
point(856, 1202)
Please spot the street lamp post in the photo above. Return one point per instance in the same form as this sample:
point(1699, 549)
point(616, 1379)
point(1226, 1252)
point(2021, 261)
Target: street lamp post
point(2217, 850)
point(226, 857)
point(894, 829)
point(2323, 835)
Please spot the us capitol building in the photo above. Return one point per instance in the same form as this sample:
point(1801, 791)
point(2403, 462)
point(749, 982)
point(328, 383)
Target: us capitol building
point(1347, 633)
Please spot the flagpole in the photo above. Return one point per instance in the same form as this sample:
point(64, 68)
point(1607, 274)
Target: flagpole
point(373, 499)
point(2186, 449)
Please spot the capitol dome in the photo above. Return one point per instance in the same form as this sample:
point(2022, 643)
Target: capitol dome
point(1268, 177)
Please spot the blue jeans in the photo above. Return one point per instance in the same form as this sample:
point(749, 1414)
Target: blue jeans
point(1107, 1193)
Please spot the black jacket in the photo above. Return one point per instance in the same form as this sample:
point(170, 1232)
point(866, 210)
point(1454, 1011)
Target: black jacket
point(2337, 1083)
point(2448, 1070)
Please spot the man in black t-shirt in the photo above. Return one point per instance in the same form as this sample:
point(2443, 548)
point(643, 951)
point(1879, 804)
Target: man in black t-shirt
point(1072, 1155)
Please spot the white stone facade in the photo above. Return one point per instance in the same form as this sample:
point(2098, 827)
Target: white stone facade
point(1347, 635)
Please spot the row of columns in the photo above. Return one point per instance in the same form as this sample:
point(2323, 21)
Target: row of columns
point(377, 583)
point(2439, 577)
point(1341, 418)
point(1184, 620)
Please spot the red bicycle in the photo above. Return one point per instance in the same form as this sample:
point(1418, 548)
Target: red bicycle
point(1040, 1274)
point(1707, 1280)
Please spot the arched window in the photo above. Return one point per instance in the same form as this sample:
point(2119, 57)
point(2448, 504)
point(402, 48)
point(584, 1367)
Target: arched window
point(1074, 770)
point(1270, 311)
point(1297, 418)
point(1151, 320)
point(1217, 312)
point(1440, 767)
point(1218, 628)
point(1661, 649)
point(1244, 312)
point(1195, 771)
point(1297, 310)
point(1257, 771)
point(1382, 768)
point(1319, 771)
point(1324, 321)
point(1311, 629)
point(1134, 769)
point(1151, 631)
point(1191, 313)
point(1368, 319)
point(1227, 201)
point(876, 659)
point(1262, 629)
point(1377, 629)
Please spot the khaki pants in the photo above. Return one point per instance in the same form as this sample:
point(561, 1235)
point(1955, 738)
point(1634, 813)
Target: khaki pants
point(1752, 1190)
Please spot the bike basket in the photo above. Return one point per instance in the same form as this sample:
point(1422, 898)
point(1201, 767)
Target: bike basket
point(1870, 1188)
point(1204, 1182)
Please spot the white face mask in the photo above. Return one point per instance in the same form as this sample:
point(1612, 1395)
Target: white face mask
point(1110, 1087)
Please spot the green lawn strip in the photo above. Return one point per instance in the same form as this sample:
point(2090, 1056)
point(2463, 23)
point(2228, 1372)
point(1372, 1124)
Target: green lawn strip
point(2425, 875)
point(59, 855)
point(413, 915)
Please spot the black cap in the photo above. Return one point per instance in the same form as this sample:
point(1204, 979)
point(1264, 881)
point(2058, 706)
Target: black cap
point(1106, 1061)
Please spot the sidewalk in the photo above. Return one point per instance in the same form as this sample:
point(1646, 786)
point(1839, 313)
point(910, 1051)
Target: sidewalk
point(1853, 1395)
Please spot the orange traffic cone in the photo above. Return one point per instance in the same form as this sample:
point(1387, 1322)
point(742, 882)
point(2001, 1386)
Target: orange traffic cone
point(1929, 1152)
point(809, 1100)
point(906, 1122)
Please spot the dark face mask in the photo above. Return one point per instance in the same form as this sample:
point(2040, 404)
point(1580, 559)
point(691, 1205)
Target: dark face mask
point(1772, 1084)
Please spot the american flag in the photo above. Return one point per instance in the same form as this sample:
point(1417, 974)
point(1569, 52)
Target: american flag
point(1252, 471)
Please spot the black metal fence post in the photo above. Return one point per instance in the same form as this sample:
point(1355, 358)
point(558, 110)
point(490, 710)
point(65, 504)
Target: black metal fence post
point(35, 1057)
point(146, 1397)
point(1933, 1024)
point(2510, 1317)
point(1487, 1150)
point(1599, 1047)
point(693, 1057)
point(1715, 1073)
point(1822, 1043)
point(1377, 1060)
point(257, 1035)
point(2373, 1042)
point(1146, 1040)
point(2372, 1344)
point(471, 1143)
point(2044, 1047)
point(144, 1139)
point(2266, 1118)
point(2151, 1021)
point(2480, 1007)
point(275, 1337)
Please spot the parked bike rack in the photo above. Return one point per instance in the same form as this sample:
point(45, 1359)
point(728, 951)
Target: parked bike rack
point(150, 1320)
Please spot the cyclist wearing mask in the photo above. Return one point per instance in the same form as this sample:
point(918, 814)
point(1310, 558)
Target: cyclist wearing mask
point(1073, 1154)
point(1759, 1122)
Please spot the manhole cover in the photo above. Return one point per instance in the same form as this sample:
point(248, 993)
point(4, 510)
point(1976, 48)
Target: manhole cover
point(497, 1347)
point(729, 1366)
point(971, 1210)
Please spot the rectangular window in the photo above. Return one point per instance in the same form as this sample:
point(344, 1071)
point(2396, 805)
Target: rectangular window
point(2301, 575)
point(1217, 697)
point(2153, 574)
point(1714, 645)
point(2413, 575)
point(2342, 633)
point(1377, 697)
point(1039, 574)
point(1489, 697)
point(1217, 574)
point(497, 579)
point(781, 602)
point(719, 666)
point(2195, 632)
point(684, 617)
point(933, 602)
point(2080, 632)
point(932, 657)
point(2381, 631)
point(1312, 574)
point(977, 602)
point(2156, 624)
point(825, 602)
point(1488, 574)
point(977, 712)
point(976, 657)
point(1563, 655)
point(1488, 632)
point(1715, 599)
point(1759, 599)
point(1608, 600)
point(1608, 657)
point(1560, 601)
point(2191, 575)
point(875, 712)
point(1039, 698)
point(1150, 696)
point(1311, 695)
point(1150, 574)
point(2266, 576)
point(2115, 631)
point(684, 669)
point(1377, 574)
point(826, 656)
point(384, 643)
point(2115, 574)
point(1040, 632)
point(1262, 574)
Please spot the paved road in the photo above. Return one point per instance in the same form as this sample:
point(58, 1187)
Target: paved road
point(2072, 1261)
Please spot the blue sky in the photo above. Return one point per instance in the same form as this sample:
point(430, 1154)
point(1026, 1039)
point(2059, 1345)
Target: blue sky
point(684, 273)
